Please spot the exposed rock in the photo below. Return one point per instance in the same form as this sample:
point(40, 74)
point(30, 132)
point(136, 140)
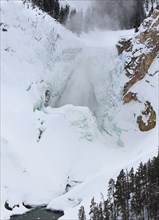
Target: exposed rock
point(124, 45)
point(141, 50)
point(6, 205)
point(47, 98)
point(147, 120)
point(139, 53)
point(27, 206)
point(4, 29)
point(67, 188)
point(129, 97)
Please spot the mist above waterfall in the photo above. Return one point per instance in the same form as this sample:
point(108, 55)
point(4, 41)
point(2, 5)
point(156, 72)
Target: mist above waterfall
point(107, 15)
point(79, 90)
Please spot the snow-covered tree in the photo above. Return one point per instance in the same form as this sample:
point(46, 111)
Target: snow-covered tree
point(81, 213)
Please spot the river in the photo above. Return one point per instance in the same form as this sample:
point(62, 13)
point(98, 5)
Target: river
point(38, 213)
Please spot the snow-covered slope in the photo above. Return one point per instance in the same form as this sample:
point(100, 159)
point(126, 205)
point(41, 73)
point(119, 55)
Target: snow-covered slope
point(43, 149)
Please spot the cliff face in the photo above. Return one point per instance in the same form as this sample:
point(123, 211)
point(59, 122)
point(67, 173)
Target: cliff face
point(139, 53)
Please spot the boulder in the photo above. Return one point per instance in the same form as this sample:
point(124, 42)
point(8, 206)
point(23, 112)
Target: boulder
point(129, 97)
point(147, 120)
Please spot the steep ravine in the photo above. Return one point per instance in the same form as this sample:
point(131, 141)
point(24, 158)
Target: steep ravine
point(54, 153)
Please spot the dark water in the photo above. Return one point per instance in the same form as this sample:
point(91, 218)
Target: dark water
point(38, 213)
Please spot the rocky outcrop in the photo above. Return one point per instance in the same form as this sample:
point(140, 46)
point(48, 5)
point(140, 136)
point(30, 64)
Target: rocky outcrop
point(8, 207)
point(129, 97)
point(143, 63)
point(124, 45)
point(147, 120)
point(139, 53)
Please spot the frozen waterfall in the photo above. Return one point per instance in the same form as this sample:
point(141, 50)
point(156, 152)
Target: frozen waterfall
point(91, 78)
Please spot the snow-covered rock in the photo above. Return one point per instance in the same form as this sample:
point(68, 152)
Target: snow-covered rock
point(140, 52)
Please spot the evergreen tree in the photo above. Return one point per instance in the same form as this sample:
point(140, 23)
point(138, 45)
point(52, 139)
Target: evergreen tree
point(111, 199)
point(100, 211)
point(121, 195)
point(136, 202)
point(52, 7)
point(93, 210)
point(64, 13)
point(106, 210)
point(147, 5)
point(139, 13)
point(56, 11)
point(153, 170)
point(131, 180)
point(134, 196)
point(81, 213)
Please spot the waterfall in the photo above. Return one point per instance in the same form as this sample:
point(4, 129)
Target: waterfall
point(92, 79)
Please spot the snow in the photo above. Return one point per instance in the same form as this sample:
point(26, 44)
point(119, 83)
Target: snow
point(70, 141)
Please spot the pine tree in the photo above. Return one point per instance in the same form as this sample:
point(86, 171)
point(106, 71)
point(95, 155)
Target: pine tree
point(52, 7)
point(152, 6)
point(132, 196)
point(137, 200)
point(93, 210)
point(56, 12)
point(100, 211)
point(121, 195)
point(106, 210)
point(64, 13)
point(111, 199)
point(147, 5)
point(153, 181)
point(131, 180)
point(139, 14)
point(81, 213)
